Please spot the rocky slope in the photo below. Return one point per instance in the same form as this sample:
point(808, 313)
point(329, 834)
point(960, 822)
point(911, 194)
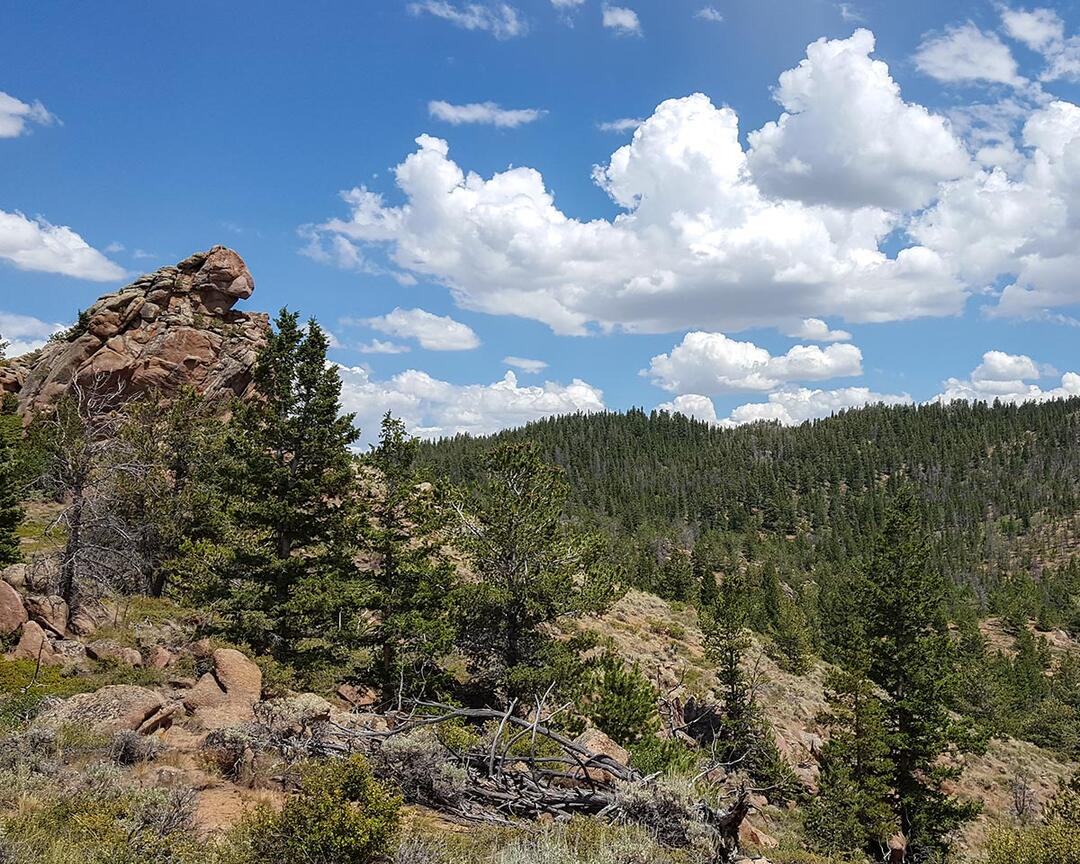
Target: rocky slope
point(167, 329)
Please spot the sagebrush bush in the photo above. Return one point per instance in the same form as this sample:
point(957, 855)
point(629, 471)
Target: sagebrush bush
point(418, 762)
point(340, 815)
point(131, 748)
point(1055, 841)
point(663, 808)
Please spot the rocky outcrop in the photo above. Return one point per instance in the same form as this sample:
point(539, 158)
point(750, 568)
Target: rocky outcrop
point(168, 329)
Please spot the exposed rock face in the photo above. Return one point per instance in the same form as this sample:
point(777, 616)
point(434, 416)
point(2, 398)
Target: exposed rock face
point(165, 330)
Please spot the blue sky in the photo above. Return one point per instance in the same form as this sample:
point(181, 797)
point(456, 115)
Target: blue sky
point(919, 215)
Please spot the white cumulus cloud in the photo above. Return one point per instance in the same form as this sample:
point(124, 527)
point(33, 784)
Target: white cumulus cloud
point(488, 113)
point(1043, 31)
point(502, 20)
point(1021, 226)
point(433, 332)
point(382, 346)
point(712, 363)
point(709, 13)
point(691, 405)
point(1007, 377)
point(966, 54)
point(698, 243)
point(792, 406)
point(525, 364)
point(817, 330)
point(788, 407)
point(34, 244)
point(848, 138)
point(24, 333)
point(623, 21)
point(432, 408)
point(17, 116)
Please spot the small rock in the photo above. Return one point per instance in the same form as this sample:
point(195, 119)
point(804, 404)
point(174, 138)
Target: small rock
point(110, 709)
point(12, 611)
point(14, 575)
point(33, 643)
point(49, 611)
point(598, 743)
point(161, 658)
point(87, 618)
point(238, 675)
point(750, 835)
point(70, 649)
point(205, 693)
point(107, 649)
point(161, 719)
point(361, 697)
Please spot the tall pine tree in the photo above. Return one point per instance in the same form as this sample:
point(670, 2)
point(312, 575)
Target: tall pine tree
point(286, 582)
point(913, 659)
point(414, 579)
point(533, 569)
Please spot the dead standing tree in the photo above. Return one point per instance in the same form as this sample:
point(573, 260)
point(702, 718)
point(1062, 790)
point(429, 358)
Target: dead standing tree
point(76, 440)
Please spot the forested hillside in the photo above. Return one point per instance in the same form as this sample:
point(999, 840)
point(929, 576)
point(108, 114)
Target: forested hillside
point(1000, 483)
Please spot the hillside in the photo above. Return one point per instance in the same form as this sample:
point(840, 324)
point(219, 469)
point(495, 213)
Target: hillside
point(999, 483)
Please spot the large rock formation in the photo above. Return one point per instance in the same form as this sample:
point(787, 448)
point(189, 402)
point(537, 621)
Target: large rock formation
point(167, 329)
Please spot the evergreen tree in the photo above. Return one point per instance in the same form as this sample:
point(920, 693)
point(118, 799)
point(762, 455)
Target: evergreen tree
point(853, 809)
point(414, 578)
point(620, 700)
point(167, 454)
point(913, 660)
point(11, 511)
point(792, 637)
point(533, 569)
point(285, 581)
point(743, 737)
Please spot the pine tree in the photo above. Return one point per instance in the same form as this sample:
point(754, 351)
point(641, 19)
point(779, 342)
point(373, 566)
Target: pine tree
point(168, 453)
point(11, 511)
point(743, 736)
point(288, 584)
point(853, 809)
point(414, 579)
point(533, 569)
point(913, 660)
point(620, 700)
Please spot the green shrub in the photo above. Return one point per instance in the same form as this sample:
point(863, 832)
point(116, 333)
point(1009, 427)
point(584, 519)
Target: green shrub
point(655, 755)
point(1055, 841)
point(620, 700)
point(340, 815)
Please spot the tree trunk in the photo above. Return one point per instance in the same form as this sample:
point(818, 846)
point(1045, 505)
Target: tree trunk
point(72, 547)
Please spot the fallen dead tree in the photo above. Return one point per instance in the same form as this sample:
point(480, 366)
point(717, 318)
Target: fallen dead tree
point(485, 765)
